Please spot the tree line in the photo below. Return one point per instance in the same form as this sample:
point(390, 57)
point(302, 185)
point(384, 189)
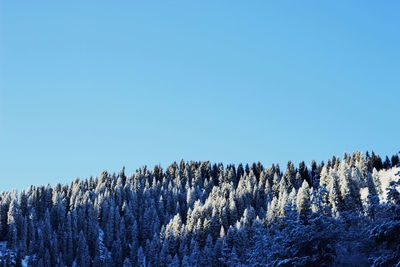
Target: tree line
point(342, 212)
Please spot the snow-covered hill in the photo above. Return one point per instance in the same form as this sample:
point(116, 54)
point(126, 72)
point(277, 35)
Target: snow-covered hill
point(201, 214)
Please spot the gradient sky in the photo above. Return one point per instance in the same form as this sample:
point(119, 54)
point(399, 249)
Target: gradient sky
point(87, 86)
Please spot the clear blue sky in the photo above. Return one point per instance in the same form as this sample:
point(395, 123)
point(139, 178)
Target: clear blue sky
point(87, 86)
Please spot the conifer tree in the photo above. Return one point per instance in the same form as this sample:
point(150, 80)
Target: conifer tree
point(303, 201)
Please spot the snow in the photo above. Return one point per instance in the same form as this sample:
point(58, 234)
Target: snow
point(364, 193)
point(386, 176)
point(341, 240)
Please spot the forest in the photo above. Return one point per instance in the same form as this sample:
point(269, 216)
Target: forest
point(341, 212)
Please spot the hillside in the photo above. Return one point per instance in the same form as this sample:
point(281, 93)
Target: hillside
point(344, 212)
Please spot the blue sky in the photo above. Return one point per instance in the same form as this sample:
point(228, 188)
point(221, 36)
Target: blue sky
point(87, 86)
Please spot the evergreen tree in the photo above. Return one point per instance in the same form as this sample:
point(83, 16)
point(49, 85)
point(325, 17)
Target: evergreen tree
point(141, 258)
point(395, 160)
point(210, 215)
point(83, 257)
point(127, 263)
point(387, 164)
point(303, 201)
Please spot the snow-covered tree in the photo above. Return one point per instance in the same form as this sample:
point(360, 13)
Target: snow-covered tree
point(203, 214)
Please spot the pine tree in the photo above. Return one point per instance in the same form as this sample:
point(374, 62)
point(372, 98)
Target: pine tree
point(209, 215)
point(303, 201)
point(141, 258)
point(83, 257)
point(175, 261)
point(12, 219)
point(334, 196)
point(127, 263)
point(395, 160)
point(387, 164)
point(208, 254)
point(194, 259)
point(376, 161)
point(233, 259)
point(117, 252)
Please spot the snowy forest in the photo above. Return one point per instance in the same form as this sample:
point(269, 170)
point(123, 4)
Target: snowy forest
point(342, 212)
